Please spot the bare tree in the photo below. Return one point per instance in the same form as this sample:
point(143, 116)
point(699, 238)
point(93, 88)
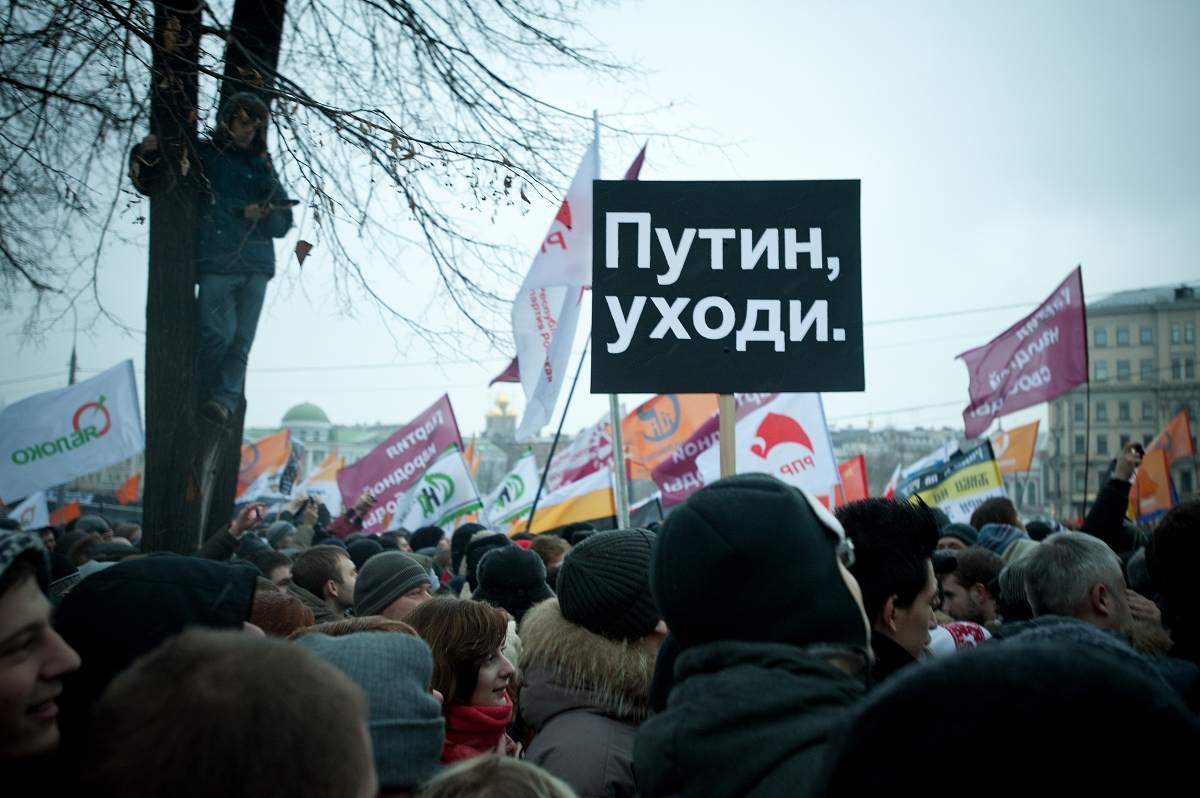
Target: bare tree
point(391, 115)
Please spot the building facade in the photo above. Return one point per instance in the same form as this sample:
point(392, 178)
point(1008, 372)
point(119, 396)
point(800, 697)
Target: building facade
point(1142, 355)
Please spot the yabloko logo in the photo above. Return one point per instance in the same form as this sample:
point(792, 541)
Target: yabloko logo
point(436, 491)
point(564, 214)
point(775, 430)
point(659, 424)
point(95, 407)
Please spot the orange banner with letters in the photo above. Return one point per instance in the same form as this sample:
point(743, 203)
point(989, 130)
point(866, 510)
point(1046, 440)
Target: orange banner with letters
point(1014, 448)
point(1151, 494)
point(660, 425)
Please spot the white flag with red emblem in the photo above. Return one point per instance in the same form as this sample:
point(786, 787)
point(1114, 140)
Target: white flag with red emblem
point(59, 435)
point(546, 309)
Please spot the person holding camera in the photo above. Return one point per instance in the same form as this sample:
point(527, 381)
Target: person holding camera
point(243, 208)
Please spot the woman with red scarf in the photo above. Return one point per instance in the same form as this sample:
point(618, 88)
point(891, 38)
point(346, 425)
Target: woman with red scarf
point(472, 674)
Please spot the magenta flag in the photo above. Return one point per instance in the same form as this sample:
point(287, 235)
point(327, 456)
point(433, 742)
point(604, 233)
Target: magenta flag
point(1041, 357)
point(394, 465)
point(511, 373)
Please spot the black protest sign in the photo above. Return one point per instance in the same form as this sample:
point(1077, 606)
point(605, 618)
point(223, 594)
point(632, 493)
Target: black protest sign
point(723, 287)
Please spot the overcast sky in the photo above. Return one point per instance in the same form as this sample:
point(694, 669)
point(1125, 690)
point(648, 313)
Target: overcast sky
point(998, 145)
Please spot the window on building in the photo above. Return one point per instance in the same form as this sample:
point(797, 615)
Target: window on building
point(1031, 496)
point(1080, 482)
point(1100, 337)
point(1101, 444)
point(1124, 442)
point(1146, 334)
point(1176, 333)
point(1189, 333)
point(1189, 369)
point(1123, 335)
point(1185, 481)
point(1102, 411)
point(1101, 371)
point(1079, 412)
point(1146, 366)
point(1176, 368)
point(1057, 445)
point(1080, 445)
point(1147, 410)
point(1149, 436)
point(1123, 412)
point(1123, 371)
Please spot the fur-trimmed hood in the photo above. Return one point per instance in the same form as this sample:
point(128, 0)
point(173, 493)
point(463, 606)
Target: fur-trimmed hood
point(567, 667)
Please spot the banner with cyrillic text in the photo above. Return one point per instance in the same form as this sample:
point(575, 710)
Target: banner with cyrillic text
point(393, 466)
point(727, 286)
point(1039, 358)
point(959, 485)
point(56, 436)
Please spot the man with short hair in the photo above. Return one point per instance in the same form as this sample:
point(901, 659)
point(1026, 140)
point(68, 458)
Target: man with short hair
point(324, 578)
point(551, 548)
point(33, 658)
point(273, 565)
point(969, 591)
point(256, 717)
point(392, 584)
point(894, 543)
point(1077, 576)
point(996, 510)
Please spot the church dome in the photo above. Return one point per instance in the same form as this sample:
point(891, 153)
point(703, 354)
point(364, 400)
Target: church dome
point(306, 413)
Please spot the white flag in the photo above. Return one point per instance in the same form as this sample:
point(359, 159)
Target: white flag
point(513, 497)
point(786, 437)
point(546, 309)
point(444, 492)
point(33, 513)
point(59, 435)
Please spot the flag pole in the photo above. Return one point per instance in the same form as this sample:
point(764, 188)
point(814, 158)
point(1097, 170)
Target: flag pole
point(620, 486)
point(557, 434)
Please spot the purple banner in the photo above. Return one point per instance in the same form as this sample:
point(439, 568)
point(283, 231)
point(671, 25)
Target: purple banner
point(394, 465)
point(1042, 356)
point(679, 476)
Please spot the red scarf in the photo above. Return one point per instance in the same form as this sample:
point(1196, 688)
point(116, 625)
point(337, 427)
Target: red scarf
point(474, 730)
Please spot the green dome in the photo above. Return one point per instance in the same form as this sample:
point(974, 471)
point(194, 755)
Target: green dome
point(306, 412)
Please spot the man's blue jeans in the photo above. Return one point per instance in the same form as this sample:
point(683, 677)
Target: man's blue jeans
point(229, 309)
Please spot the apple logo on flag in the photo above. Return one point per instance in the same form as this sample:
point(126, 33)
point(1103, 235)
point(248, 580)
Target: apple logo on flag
point(775, 430)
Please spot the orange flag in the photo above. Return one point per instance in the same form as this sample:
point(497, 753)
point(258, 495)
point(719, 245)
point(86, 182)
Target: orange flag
point(1151, 494)
point(1014, 448)
point(264, 458)
point(1175, 439)
point(128, 492)
point(472, 457)
point(658, 426)
point(65, 513)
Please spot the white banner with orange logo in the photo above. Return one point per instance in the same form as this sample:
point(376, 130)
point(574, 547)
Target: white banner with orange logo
point(57, 436)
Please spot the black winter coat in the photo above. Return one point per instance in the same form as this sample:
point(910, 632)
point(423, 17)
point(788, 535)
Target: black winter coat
point(745, 719)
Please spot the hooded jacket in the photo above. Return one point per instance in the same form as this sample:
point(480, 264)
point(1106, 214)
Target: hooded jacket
point(125, 611)
point(584, 697)
point(745, 719)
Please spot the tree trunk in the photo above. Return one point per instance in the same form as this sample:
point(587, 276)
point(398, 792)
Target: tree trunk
point(191, 464)
point(251, 60)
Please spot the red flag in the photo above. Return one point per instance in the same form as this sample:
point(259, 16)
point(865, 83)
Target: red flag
point(635, 168)
point(65, 514)
point(511, 373)
point(889, 492)
point(128, 491)
point(854, 479)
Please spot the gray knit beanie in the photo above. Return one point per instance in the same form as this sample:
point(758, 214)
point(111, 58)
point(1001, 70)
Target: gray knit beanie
point(394, 670)
point(385, 578)
point(604, 585)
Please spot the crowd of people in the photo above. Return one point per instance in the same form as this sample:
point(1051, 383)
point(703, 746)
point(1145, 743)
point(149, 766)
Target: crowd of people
point(754, 643)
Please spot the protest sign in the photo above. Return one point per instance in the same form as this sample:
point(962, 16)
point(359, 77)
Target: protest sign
point(444, 491)
point(1041, 357)
point(959, 485)
point(393, 466)
point(717, 287)
point(658, 426)
point(58, 435)
point(513, 497)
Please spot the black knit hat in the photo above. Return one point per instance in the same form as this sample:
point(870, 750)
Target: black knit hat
point(753, 530)
point(475, 551)
point(964, 532)
point(604, 585)
point(385, 578)
point(512, 578)
point(363, 550)
point(425, 537)
point(459, 542)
